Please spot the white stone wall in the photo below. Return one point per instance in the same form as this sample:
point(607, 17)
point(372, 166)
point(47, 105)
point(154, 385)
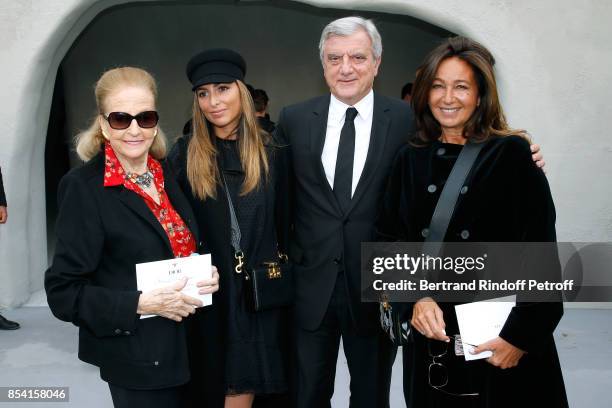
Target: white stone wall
point(286, 66)
point(554, 60)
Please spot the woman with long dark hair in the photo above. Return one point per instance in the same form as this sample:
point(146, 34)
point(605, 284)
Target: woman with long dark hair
point(505, 198)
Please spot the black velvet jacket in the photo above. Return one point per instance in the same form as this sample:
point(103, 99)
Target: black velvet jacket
point(507, 199)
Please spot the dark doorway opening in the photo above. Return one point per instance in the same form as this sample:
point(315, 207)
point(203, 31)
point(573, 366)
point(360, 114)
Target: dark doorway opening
point(57, 161)
point(278, 39)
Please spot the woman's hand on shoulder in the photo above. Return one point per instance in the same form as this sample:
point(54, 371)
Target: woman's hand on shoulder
point(428, 319)
point(209, 285)
point(168, 302)
point(505, 355)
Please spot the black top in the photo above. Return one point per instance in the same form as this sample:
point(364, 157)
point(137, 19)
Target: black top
point(507, 200)
point(499, 205)
point(249, 208)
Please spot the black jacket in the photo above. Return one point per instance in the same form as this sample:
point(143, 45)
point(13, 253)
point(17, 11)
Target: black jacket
point(266, 124)
point(507, 199)
point(325, 239)
point(102, 232)
point(2, 195)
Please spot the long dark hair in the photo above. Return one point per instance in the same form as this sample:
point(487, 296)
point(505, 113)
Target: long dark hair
point(488, 118)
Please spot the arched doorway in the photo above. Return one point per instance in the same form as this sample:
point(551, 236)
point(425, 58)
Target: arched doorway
point(278, 40)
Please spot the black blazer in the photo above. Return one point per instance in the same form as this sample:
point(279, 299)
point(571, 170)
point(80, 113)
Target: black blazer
point(2, 195)
point(102, 232)
point(325, 239)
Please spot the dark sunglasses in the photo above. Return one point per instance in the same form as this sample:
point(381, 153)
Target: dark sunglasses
point(122, 120)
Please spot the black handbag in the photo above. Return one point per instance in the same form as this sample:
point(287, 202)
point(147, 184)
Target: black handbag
point(268, 286)
point(393, 316)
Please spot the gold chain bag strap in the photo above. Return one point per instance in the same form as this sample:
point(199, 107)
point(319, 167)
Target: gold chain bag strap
point(267, 286)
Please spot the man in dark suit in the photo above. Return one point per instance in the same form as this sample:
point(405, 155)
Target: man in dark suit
point(5, 324)
point(342, 146)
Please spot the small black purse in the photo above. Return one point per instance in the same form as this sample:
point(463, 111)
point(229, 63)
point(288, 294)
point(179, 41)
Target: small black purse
point(268, 286)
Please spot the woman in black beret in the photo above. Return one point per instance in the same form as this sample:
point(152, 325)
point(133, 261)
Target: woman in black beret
point(237, 354)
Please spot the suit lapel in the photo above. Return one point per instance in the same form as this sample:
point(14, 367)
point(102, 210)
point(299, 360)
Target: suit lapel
point(135, 203)
point(318, 130)
point(378, 137)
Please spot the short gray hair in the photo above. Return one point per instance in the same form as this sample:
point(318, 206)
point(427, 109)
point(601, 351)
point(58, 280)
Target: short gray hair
point(349, 25)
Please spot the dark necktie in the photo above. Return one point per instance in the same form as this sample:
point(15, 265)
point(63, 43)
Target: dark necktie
point(343, 177)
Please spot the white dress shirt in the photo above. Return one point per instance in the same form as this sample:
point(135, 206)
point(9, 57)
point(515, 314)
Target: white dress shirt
point(363, 128)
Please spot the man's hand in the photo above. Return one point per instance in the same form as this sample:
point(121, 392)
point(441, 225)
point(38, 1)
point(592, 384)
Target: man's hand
point(505, 355)
point(3, 214)
point(537, 156)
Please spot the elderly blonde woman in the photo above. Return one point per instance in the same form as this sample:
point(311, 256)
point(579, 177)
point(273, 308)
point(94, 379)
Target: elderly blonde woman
point(122, 208)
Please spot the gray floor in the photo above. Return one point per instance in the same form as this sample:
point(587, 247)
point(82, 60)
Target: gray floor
point(43, 353)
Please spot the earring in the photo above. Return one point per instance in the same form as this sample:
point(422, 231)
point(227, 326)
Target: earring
point(106, 136)
point(155, 133)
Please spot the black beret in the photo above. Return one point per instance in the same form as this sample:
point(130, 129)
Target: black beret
point(215, 66)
